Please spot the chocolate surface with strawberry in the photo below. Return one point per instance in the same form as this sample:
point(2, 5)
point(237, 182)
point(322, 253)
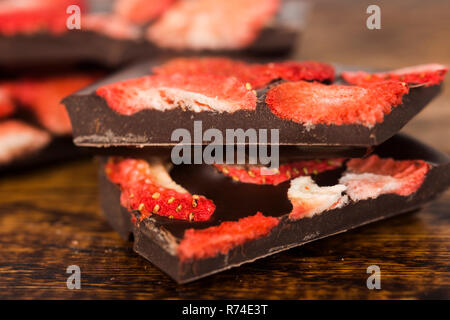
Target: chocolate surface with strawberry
point(294, 97)
point(248, 220)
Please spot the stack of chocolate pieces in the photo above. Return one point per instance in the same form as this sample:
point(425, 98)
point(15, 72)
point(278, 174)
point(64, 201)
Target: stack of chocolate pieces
point(51, 48)
point(180, 177)
point(34, 127)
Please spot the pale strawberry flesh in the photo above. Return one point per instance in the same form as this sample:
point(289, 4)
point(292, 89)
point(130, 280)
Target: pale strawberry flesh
point(206, 24)
point(167, 92)
point(141, 11)
point(18, 139)
point(308, 199)
point(368, 178)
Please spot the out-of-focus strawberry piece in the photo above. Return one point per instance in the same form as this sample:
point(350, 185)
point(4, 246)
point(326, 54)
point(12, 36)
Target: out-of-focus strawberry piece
point(17, 139)
point(308, 199)
point(257, 75)
point(147, 187)
point(7, 106)
point(141, 11)
point(196, 93)
point(109, 25)
point(206, 24)
point(315, 103)
point(30, 16)
point(262, 175)
point(203, 243)
point(428, 74)
point(43, 96)
point(370, 177)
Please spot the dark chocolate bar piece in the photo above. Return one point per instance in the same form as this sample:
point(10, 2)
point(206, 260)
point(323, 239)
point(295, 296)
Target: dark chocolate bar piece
point(96, 124)
point(22, 52)
point(37, 35)
point(170, 243)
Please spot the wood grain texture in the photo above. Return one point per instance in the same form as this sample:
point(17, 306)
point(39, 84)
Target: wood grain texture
point(50, 218)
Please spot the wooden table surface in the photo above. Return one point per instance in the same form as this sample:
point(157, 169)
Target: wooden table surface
point(50, 218)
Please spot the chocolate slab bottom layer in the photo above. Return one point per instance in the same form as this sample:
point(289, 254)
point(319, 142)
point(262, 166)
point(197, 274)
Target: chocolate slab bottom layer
point(42, 49)
point(155, 238)
point(95, 124)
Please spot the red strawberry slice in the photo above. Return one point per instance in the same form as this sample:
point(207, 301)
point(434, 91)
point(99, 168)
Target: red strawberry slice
point(30, 16)
point(257, 75)
point(109, 25)
point(429, 74)
point(163, 92)
point(308, 199)
point(372, 176)
point(206, 24)
point(141, 11)
point(43, 96)
point(149, 189)
point(262, 175)
point(7, 106)
point(315, 103)
point(294, 71)
point(18, 139)
point(203, 243)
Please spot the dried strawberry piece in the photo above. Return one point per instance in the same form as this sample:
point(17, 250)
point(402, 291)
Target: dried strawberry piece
point(429, 74)
point(43, 96)
point(18, 139)
point(257, 75)
point(308, 199)
point(165, 92)
point(30, 16)
point(141, 11)
point(206, 24)
point(262, 175)
point(149, 189)
point(370, 177)
point(290, 71)
point(109, 25)
point(203, 65)
point(203, 243)
point(316, 103)
point(7, 106)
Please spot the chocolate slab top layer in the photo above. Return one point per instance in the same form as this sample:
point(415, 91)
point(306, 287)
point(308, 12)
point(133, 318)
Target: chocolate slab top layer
point(24, 52)
point(95, 124)
point(156, 237)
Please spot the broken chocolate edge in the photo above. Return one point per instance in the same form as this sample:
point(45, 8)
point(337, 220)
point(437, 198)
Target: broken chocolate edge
point(288, 233)
point(90, 46)
point(103, 127)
